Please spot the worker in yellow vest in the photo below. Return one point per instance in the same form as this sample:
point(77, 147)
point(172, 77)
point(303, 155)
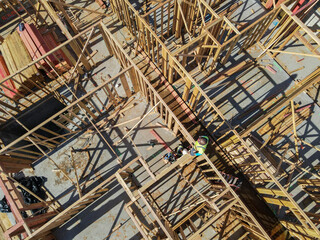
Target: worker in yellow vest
point(200, 146)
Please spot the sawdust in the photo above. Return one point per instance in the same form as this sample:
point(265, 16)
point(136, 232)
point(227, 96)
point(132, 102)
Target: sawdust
point(80, 162)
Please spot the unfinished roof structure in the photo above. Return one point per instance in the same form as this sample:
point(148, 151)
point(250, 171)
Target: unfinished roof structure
point(95, 93)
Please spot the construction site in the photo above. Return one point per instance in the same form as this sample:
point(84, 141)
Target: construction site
point(95, 95)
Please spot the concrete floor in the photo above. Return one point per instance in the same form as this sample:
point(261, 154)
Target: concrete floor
point(97, 221)
point(101, 217)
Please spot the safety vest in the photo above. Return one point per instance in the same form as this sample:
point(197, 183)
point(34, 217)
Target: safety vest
point(201, 148)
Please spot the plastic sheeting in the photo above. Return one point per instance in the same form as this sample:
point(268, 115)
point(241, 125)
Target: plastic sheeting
point(34, 184)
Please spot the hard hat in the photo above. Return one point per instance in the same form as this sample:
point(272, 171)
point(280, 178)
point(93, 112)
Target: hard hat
point(202, 140)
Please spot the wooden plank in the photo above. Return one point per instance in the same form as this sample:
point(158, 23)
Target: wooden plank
point(228, 72)
point(161, 141)
point(147, 168)
point(181, 161)
point(274, 192)
point(4, 72)
point(125, 187)
point(125, 85)
point(301, 24)
point(213, 219)
point(294, 53)
point(17, 48)
point(279, 202)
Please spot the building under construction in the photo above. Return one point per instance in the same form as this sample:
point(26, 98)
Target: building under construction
point(95, 93)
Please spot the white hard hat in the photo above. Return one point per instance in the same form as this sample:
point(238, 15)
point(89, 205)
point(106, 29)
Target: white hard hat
point(184, 151)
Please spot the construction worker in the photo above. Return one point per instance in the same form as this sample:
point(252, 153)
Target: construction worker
point(169, 157)
point(174, 155)
point(200, 146)
point(180, 151)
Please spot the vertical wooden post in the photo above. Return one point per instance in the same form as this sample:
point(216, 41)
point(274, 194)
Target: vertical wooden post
point(134, 80)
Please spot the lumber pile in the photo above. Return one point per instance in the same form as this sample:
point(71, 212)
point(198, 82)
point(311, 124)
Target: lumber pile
point(101, 3)
point(22, 47)
point(281, 124)
point(38, 43)
point(4, 72)
point(16, 57)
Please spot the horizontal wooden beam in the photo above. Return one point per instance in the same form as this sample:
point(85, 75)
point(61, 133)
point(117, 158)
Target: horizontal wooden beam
point(301, 24)
point(294, 53)
point(270, 192)
point(279, 202)
point(65, 109)
point(213, 219)
point(183, 160)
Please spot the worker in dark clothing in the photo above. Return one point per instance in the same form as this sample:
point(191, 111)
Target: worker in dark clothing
point(169, 157)
point(174, 155)
point(200, 146)
point(180, 151)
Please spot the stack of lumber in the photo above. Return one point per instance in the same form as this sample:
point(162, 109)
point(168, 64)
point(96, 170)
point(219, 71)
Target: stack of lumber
point(101, 3)
point(4, 72)
point(38, 43)
point(16, 57)
point(282, 124)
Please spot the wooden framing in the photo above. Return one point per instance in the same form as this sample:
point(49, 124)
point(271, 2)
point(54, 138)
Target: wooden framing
point(172, 68)
point(204, 36)
point(144, 84)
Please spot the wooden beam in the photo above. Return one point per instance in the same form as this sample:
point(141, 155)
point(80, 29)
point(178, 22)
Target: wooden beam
point(294, 129)
point(65, 31)
point(169, 233)
point(301, 24)
point(212, 220)
point(295, 53)
point(289, 95)
point(63, 110)
point(124, 186)
point(274, 192)
point(80, 8)
point(137, 223)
